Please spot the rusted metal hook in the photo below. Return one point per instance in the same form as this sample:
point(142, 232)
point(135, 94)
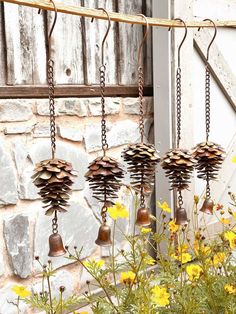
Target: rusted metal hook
point(213, 38)
point(52, 27)
point(106, 34)
point(143, 40)
point(185, 35)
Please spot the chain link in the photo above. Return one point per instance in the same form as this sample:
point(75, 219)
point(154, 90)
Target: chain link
point(104, 214)
point(180, 199)
point(178, 104)
point(207, 102)
point(140, 91)
point(102, 70)
point(208, 190)
point(55, 224)
point(51, 88)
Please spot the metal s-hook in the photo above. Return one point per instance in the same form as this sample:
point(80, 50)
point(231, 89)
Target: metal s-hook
point(185, 35)
point(143, 40)
point(213, 38)
point(106, 34)
point(52, 28)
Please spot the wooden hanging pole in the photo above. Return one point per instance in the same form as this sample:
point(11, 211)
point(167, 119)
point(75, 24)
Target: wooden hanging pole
point(117, 17)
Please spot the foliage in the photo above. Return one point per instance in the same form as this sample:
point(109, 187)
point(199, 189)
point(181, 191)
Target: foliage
point(191, 271)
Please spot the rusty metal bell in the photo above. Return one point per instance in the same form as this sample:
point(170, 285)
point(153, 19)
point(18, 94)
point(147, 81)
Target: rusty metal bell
point(56, 247)
point(104, 235)
point(207, 206)
point(181, 216)
point(143, 217)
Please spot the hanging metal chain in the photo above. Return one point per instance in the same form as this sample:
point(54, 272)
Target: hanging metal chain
point(51, 88)
point(102, 70)
point(208, 190)
point(180, 199)
point(104, 214)
point(140, 91)
point(55, 224)
point(207, 102)
point(178, 104)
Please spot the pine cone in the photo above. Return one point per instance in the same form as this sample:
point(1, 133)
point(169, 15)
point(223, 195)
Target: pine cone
point(142, 160)
point(209, 157)
point(104, 177)
point(54, 178)
point(178, 165)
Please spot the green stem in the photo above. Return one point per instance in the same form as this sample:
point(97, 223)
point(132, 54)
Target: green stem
point(18, 305)
point(50, 294)
point(61, 301)
point(100, 284)
point(113, 261)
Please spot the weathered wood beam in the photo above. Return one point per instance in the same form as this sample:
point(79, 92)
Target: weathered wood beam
point(117, 17)
point(219, 68)
point(34, 91)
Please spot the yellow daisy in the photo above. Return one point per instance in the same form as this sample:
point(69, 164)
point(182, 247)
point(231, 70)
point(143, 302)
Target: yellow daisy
point(164, 206)
point(127, 278)
point(118, 210)
point(160, 296)
point(21, 291)
point(194, 271)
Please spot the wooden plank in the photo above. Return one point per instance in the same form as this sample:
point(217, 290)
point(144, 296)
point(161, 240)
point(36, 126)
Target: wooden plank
point(41, 91)
point(186, 57)
point(94, 35)
point(118, 17)
point(221, 9)
point(127, 34)
point(25, 45)
point(67, 48)
point(2, 48)
point(219, 68)
point(162, 96)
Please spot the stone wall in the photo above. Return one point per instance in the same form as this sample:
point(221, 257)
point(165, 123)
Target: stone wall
point(24, 141)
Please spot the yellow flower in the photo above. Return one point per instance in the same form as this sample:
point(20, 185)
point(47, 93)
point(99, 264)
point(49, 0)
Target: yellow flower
point(183, 247)
point(230, 289)
point(194, 271)
point(225, 221)
point(84, 312)
point(149, 260)
point(173, 227)
point(164, 206)
point(21, 291)
point(231, 237)
point(201, 248)
point(234, 215)
point(146, 230)
point(183, 258)
point(218, 259)
point(118, 210)
point(127, 277)
point(160, 296)
point(234, 159)
point(92, 263)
